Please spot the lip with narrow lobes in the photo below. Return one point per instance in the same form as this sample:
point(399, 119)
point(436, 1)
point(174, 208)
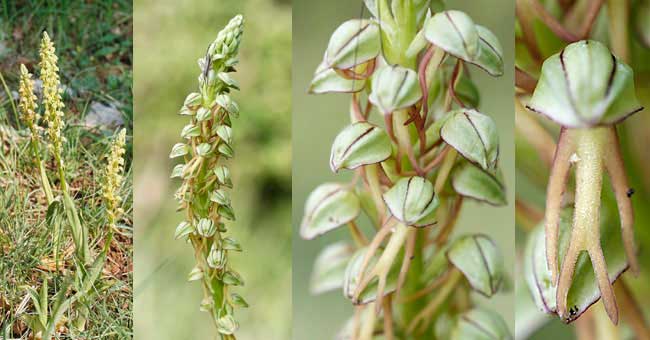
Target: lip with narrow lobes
point(589, 143)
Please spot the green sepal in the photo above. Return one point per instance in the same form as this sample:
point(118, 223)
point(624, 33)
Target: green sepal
point(328, 207)
point(359, 144)
point(479, 259)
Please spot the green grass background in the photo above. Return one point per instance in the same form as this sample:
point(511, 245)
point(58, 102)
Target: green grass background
point(169, 37)
point(317, 120)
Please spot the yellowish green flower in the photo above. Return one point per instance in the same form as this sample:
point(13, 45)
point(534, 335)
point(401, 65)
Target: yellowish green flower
point(27, 102)
point(113, 178)
point(52, 100)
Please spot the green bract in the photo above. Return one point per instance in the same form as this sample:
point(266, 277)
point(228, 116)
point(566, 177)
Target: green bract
point(412, 201)
point(456, 34)
point(585, 85)
point(328, 207)
point(394, 88)
point(359, 144)
point(353, 43)
point(473, 135)
point(479, 259)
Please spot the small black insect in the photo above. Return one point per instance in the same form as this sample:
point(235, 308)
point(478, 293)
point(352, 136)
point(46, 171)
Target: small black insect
point(630, 192)
point(573, 311)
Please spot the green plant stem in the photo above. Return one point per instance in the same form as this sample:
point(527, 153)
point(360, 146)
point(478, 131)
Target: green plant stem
point(424, 316)
point(413, 281)
point(619, 14)
point(404, 139)
point(445, 170)
point(372, 177)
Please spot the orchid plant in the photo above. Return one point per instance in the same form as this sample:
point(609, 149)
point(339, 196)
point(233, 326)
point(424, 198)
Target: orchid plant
point(67, 311)
point(419, 147)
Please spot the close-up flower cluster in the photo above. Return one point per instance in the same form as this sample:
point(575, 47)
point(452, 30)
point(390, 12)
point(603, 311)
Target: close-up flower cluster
point(419, 147)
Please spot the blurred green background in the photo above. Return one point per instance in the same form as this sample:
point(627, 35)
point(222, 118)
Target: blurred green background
point(170, 36)
point(317, 120)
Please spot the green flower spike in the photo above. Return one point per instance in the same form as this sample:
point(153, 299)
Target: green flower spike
point(587, 90)
point(208, 140)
